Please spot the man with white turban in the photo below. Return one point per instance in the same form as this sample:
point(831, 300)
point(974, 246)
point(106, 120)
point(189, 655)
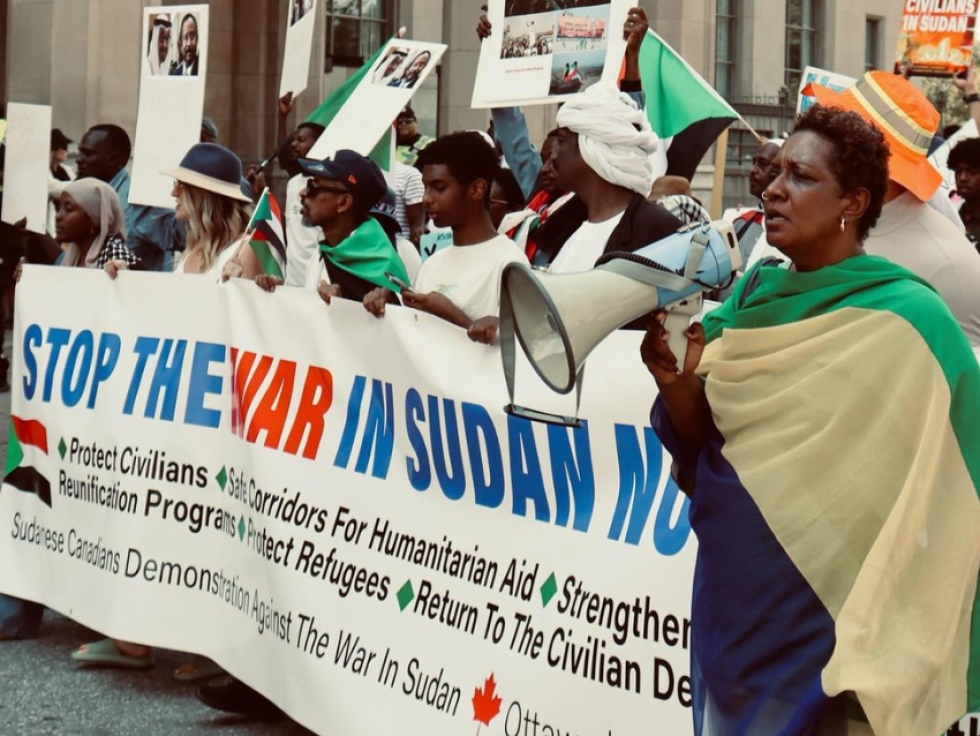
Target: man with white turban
point(602, 154)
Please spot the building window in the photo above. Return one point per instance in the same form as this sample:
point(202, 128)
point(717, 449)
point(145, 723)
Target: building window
point(872, 43)
point(355, 29)
point(726, 48)
point(803, 19)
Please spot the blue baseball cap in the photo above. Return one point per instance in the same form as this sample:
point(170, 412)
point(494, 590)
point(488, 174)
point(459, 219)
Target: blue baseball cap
point(359, 174)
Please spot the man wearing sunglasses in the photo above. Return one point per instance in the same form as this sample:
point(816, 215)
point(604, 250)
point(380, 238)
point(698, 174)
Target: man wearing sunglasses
point(356, 253)
point(410, 141)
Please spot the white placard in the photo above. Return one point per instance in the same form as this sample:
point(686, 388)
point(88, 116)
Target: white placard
point(385, 90)
point(300, 22)
point(25, 185)
point(171, 102)
point(536, 58)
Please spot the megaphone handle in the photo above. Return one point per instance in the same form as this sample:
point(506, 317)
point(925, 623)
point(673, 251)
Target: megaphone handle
point(676, 322)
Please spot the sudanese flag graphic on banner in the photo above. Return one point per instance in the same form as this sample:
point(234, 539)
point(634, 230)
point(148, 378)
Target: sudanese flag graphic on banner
point(19, 473)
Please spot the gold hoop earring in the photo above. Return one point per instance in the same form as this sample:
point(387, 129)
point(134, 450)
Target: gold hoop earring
point(842, 223)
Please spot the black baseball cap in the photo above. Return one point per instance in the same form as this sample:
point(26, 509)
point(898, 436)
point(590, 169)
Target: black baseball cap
point(359, 174)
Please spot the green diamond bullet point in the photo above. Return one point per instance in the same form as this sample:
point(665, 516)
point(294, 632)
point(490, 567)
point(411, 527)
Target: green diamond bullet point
point(62, 448)
point(241, 528)
point(548, 590)
point(222, 478)
point(405, 595)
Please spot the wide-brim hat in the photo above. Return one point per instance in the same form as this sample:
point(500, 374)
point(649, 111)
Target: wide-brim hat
point(213, 168)
point(905, 117)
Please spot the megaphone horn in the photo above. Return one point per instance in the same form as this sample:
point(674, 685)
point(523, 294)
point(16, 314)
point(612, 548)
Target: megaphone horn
point(559, 319)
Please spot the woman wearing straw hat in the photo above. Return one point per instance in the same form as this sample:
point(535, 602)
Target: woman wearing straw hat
point(207, 187)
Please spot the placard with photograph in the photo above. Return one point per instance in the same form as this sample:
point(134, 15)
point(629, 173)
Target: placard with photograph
point(813, 75)
point(301, 22)
point(545, 50)
point(936, 37)
point(25, 175)
point(387, 87)
point(171, 102)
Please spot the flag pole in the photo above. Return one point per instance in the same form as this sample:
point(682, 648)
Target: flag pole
point(718, 186)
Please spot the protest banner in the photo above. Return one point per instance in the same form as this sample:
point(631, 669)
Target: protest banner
point(936, 37)
point(356, 529)
point(171, 104)
point(300, 22)
point(535, 58)
point(814, 75)
point(25, 175)
point(374, 104)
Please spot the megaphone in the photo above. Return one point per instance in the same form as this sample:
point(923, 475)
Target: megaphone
point(559, 319)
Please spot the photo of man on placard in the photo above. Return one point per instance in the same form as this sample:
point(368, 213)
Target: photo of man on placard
point(298, 9)
point(413, 71)
point(159, 48)
point(187, 46)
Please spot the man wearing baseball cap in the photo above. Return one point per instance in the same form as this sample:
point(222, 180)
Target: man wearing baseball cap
point(355, 253)
point(909, 231)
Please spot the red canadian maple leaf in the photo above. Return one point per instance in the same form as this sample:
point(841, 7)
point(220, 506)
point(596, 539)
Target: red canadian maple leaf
point(486, 704)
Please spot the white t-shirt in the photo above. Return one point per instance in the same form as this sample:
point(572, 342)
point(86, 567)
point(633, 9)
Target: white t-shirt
point(301, 241)
point(216, 266)
point(583, 248)
point(469, 275)
point(915, 236)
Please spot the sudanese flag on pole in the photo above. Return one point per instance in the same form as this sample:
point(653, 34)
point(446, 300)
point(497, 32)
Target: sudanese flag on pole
point(684, 111)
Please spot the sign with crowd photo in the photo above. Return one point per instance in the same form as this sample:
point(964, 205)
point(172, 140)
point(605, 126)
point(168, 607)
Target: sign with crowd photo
point(174, 54)
point(337, 510)
point(936, 37)
point(26, 165)
point(543, 52)
point(300, 23)
point(374, 104)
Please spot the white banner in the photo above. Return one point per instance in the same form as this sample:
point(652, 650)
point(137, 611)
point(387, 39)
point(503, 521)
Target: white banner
point(171, 102)
point(357, 530)
point(26, 172)
point(534, 58)
point(375, 103)
point(300, 22)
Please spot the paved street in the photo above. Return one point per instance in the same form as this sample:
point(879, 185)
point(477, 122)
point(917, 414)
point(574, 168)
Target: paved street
point(44, 693)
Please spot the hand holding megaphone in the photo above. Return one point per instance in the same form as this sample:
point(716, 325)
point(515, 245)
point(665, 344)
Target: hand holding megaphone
point(661, 360)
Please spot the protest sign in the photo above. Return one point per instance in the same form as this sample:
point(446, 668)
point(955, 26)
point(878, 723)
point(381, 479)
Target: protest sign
point(374, 104)
point(171, 104)
point(936, 37)
point(813, 75)
point(534, 57)
point(336, 509)
point(25, 176)
point(300, 22)
point(434, 240)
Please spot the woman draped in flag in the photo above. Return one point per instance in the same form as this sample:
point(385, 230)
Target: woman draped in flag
point(823, 421)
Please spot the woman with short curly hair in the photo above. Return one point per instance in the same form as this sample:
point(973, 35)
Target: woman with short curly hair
point(823, 423)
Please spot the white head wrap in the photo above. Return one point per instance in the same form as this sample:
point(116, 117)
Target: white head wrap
point(101, 203)
point(614, 136)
